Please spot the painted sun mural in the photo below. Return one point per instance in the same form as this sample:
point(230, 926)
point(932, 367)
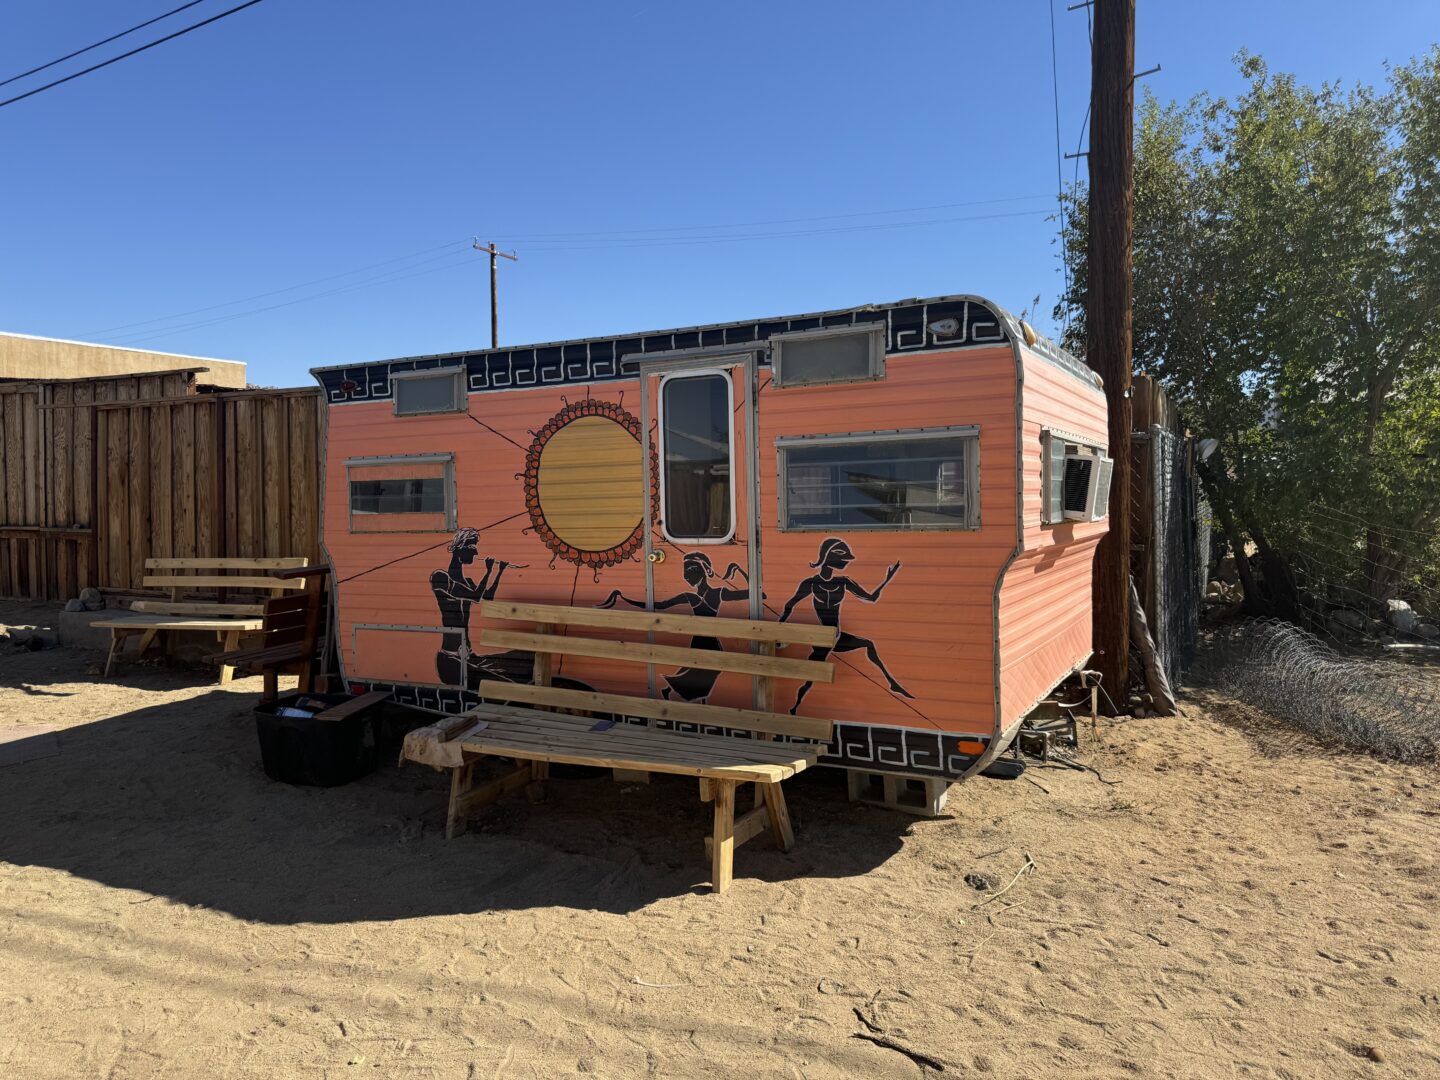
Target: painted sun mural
point(585, 482)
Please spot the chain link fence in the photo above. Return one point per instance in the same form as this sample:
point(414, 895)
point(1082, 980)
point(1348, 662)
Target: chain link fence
point(1171, 533)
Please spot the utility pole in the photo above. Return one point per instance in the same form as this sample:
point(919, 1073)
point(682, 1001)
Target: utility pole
point(493, 251)
point(1108, 318)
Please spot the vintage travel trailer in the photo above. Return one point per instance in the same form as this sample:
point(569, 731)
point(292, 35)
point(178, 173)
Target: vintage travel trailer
point(929, 476)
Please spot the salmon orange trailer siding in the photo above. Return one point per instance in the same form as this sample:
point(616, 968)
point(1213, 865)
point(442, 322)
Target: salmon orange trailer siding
point(768, 469)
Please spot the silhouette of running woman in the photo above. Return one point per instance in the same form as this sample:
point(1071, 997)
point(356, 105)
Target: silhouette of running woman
point(694, 684)
point(827, 593)
point(454, 593)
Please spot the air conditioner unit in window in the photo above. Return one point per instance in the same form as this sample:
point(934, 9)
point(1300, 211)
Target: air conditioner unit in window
point(1086, 486)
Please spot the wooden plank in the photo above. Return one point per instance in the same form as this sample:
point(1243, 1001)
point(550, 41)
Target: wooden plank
point(304, 462)
point(670, 745)
point(780, 826)
point(288, 605)
point(273, 656)
point(11, 511)
point(219, 581)
point(354, 705)
point(82, 452)
point(29, 532)
point(62, 486)
point(183, 482)
point(61, 472)
point(82, 436)
point(207, 534)
point(544, 664)
point(765, 687)
point(286, 563)
point(170, 607)
point(722, 860)
point(692, 625)
point(275, 477)
point(641, 744)
point(223, 538)
point(11, 428)
point(640, 653)
point(138, 495)
point(802, 727)
point(162, 474)
point(747, 826)
point(538, 749)
point(168, 622)
point(116, 516)
point(249, 500)
point(228, 479)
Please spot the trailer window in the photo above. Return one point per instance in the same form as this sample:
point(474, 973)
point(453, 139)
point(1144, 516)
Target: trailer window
point(697, 456)
point(832, 355)
point(420, 392)
point(880, 480)
point(414, 493)
point(398, 496)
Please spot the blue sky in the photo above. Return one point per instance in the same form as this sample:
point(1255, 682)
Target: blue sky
point(308, 139)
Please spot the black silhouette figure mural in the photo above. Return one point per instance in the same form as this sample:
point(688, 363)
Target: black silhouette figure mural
point(695, 684)
point(454, 593)
point(827, 592)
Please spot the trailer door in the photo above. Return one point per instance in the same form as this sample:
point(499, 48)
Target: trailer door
point(702, 540)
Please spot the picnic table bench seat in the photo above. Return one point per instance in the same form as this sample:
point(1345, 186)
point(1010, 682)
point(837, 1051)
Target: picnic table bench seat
point(228, 620)
point(537, 724)
point(290, 635)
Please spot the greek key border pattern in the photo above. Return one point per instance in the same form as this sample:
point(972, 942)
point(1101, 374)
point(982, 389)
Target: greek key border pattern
point(599, 359)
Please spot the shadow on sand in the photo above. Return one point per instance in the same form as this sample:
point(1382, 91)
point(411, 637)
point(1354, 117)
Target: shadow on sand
point(171, 801)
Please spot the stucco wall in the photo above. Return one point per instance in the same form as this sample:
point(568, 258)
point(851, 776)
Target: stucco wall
point(24, 357)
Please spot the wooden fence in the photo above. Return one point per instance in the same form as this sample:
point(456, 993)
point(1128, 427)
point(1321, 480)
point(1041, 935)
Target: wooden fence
point(101, 474)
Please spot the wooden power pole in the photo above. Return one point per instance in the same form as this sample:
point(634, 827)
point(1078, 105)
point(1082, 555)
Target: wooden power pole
point(493, 252)
point(1108, 338)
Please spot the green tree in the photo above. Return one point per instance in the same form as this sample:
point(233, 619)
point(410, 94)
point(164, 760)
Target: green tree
point(1287, 294)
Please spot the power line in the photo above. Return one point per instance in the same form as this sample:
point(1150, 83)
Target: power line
point(738, 237)
point(401, 273)
point(132, 52)
point(529, 237)
point(384, 279)
point(106, 41)
point(275, 292)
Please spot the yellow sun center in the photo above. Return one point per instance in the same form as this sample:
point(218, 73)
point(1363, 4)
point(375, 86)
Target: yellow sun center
point(591, 483)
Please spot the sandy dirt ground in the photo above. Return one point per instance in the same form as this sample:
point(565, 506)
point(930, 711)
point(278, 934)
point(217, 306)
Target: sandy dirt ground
point(1228, 901)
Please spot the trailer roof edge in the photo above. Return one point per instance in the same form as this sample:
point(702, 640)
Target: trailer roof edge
point(1042, 346)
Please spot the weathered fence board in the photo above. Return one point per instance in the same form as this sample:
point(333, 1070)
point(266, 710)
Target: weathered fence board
point(99, 474)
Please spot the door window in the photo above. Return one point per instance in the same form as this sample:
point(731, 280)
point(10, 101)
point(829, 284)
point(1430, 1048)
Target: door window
point(697, 497)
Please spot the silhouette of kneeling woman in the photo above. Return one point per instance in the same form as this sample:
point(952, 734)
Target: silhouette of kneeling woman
point(694, 684)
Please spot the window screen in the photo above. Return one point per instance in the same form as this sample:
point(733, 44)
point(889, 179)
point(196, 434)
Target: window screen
point(411, 493)
point(696, 471)
point(881, 482)
point(398, 496)
point(428, 393)
point(812, 357)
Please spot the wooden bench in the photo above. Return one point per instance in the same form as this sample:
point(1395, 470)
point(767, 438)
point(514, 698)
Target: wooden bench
point(291, 631)
point(536, 724)
point(227, 619)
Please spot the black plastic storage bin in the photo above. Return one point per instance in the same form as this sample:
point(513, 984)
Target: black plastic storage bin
point(321, 753)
